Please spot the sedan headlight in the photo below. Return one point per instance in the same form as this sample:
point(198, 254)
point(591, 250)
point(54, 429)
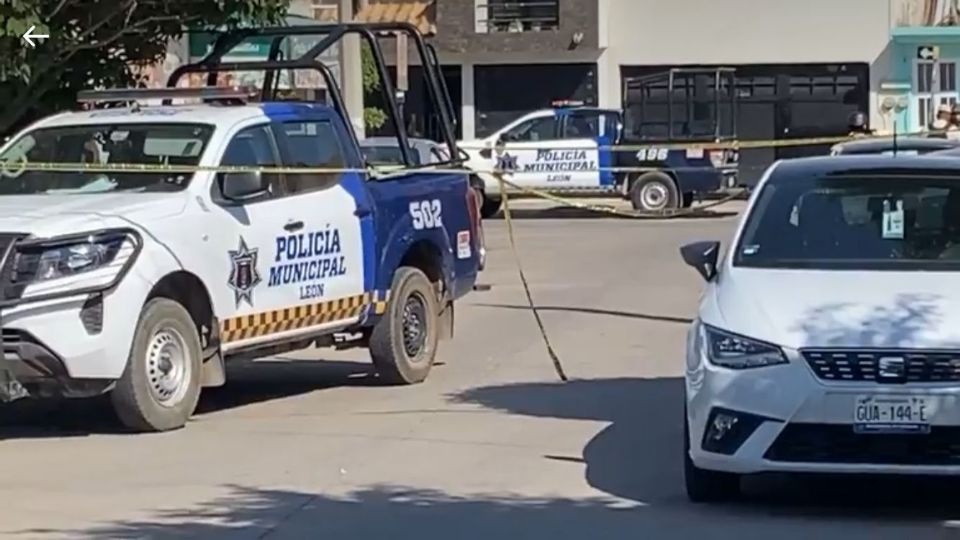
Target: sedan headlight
point(738, 352)
point(76, 262)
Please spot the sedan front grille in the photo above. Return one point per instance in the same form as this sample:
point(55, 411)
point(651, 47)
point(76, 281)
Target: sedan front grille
point(837, 443)
point(884, 366)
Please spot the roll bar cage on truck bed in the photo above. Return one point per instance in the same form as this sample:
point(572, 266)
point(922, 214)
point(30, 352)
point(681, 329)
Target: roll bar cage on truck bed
point(693, 104)
point(333, 34)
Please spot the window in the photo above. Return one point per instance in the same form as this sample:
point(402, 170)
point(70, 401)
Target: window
point(582, 125)
point(140, 144)
point(439, 154)
point(590, 125)
point(856, 221)
point(314, 145)
point(931, 92)
point(254, 147)
point(535, 129)
point(387, 154)
point(517, 15)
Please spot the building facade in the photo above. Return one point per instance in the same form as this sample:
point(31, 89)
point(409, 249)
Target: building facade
point(802, 66)
point(924, 53)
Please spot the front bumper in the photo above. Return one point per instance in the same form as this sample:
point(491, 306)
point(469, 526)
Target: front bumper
point(800, 423)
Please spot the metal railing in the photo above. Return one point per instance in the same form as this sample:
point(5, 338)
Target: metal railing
point(494, 16)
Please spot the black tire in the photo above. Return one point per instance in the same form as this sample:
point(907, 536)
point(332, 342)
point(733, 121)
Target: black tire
point(687, 201)
point(405, 355)
point(489, 207)
point(654, 192)
point(147, 398)
point(705, 486)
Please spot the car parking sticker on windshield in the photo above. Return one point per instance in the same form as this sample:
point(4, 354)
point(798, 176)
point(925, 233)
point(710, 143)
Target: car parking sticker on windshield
point(243, 274)
point(308, 261)
point(893, 220)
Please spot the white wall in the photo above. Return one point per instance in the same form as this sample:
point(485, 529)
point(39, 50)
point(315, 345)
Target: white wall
point(667, 32)
point(747, 31)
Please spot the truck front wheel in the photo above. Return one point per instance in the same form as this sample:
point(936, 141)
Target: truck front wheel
point(160, 387)
point(654, 192)
point(403, 344)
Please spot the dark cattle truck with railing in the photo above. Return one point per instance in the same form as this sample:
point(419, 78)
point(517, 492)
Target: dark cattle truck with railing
point(683, 106)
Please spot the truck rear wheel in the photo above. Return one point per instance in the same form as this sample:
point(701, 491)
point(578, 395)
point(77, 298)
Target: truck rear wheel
point(489, 207)
point(160, 387)
point(654, 192)
point(403, 344)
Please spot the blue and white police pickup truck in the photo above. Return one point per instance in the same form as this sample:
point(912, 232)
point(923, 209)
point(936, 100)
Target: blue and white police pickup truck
point(568, 149)
point(142, 284)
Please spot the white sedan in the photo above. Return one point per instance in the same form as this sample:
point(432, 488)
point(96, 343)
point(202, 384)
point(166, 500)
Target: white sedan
point(828, 337)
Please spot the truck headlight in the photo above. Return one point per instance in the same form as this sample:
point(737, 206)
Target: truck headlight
point(738, 352)
point(96, 260)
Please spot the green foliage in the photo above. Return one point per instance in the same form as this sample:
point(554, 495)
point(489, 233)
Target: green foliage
point(94, 43)
point(371, 79)
point(373, 117)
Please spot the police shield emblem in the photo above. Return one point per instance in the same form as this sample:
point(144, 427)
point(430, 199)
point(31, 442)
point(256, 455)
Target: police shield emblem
point(243, 273)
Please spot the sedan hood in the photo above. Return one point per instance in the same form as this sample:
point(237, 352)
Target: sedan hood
point(52, 215)
point(842, 308)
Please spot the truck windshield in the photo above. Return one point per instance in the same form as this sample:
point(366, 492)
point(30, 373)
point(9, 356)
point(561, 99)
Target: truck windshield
point(855, 222)
point(137, 144)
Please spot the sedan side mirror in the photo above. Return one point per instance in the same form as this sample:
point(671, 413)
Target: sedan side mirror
point(703, 257)
point(243, 186)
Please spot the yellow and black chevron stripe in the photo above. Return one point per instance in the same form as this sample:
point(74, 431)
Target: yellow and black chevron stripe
point(303, 316)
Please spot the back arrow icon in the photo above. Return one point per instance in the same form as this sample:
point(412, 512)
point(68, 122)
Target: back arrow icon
point(29, 36)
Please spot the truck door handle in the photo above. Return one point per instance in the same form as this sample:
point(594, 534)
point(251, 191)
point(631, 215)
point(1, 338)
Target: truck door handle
point(293, 226)
point(362, 211)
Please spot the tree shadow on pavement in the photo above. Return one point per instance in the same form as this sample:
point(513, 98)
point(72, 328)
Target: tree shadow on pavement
point(386, 511)
point(248, 383)
point(639, 455)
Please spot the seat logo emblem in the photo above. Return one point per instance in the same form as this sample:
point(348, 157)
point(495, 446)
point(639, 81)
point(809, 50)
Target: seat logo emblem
point(891, 367)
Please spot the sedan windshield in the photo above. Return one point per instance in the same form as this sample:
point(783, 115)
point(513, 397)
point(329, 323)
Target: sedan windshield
point(863, 221)
point(136, 144)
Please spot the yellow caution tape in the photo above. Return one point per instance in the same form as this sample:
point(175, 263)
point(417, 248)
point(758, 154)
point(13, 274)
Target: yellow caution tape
point(554, 358)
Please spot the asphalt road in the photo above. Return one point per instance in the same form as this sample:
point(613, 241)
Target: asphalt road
point(491, 446)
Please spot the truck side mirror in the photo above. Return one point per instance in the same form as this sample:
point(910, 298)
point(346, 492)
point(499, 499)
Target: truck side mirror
point(702, 256)
point(243, 186)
